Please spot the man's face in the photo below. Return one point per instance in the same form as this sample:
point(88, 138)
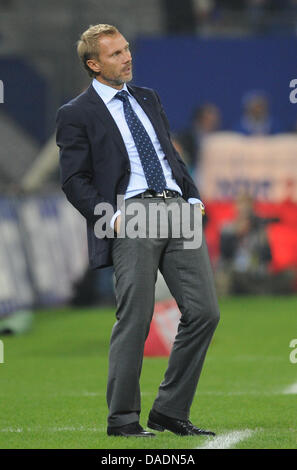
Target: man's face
point(258, 108)
point(114, 61)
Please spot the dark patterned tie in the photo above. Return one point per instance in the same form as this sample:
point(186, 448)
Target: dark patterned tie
point(149, 159)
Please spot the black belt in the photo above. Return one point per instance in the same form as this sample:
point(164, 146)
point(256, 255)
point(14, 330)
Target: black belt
point(151, 193)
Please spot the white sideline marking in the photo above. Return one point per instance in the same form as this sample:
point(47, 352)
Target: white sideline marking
point(11, 430)
point(73, 428)
point(225, 441)
point(291, 390)
point(53, 429)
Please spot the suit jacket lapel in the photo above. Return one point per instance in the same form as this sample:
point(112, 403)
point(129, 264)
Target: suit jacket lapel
point(106, 118)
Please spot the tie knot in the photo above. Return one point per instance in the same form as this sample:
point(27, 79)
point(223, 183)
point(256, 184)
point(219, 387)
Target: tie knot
point(122, 95)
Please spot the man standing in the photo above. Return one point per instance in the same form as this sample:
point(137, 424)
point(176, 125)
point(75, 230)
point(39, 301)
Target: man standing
point(114, 140)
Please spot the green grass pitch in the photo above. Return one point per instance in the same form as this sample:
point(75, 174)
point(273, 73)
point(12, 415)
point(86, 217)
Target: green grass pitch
point(53, 380)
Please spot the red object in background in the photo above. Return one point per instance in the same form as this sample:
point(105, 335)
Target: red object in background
point(218, 213)
point(155, 344)
point(282, 235)
point(283, 244)
point(163, 329)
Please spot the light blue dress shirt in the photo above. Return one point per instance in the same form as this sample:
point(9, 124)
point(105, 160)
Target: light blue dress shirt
point(137, 183)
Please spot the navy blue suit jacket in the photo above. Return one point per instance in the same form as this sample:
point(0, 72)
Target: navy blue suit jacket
point(94, 163)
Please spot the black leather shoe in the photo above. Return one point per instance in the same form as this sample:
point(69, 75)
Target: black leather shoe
point(161, 422)
point(129, 430)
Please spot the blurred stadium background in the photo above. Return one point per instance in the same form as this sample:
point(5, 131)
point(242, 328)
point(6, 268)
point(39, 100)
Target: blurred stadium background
point(223, 70)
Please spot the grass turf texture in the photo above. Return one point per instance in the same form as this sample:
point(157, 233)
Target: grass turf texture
point(53, 381)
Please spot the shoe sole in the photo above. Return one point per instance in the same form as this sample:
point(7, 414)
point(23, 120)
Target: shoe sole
point(128, 435)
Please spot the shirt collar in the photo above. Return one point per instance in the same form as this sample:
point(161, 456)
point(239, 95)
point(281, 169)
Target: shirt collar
point(107, 93)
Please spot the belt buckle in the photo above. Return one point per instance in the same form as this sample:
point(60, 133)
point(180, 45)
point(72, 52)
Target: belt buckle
point(165, 195)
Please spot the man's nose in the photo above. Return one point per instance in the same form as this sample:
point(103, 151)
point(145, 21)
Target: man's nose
point(128, 56)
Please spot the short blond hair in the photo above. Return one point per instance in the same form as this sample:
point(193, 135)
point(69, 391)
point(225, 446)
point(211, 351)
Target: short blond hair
point(88, 47)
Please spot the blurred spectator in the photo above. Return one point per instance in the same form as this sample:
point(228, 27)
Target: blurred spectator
point(206, 119)
point(245, 257)
point(256, 118)
point(181, 150)
point(204, 12)
point(245, 16)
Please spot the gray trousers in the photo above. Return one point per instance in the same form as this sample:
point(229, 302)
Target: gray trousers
point(189, 277)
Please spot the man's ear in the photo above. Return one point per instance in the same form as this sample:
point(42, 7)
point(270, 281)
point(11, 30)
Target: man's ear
point(94, 65)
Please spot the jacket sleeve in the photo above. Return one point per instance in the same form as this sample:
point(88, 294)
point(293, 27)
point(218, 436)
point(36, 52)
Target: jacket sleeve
point(75, 162)
point(190, 187)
